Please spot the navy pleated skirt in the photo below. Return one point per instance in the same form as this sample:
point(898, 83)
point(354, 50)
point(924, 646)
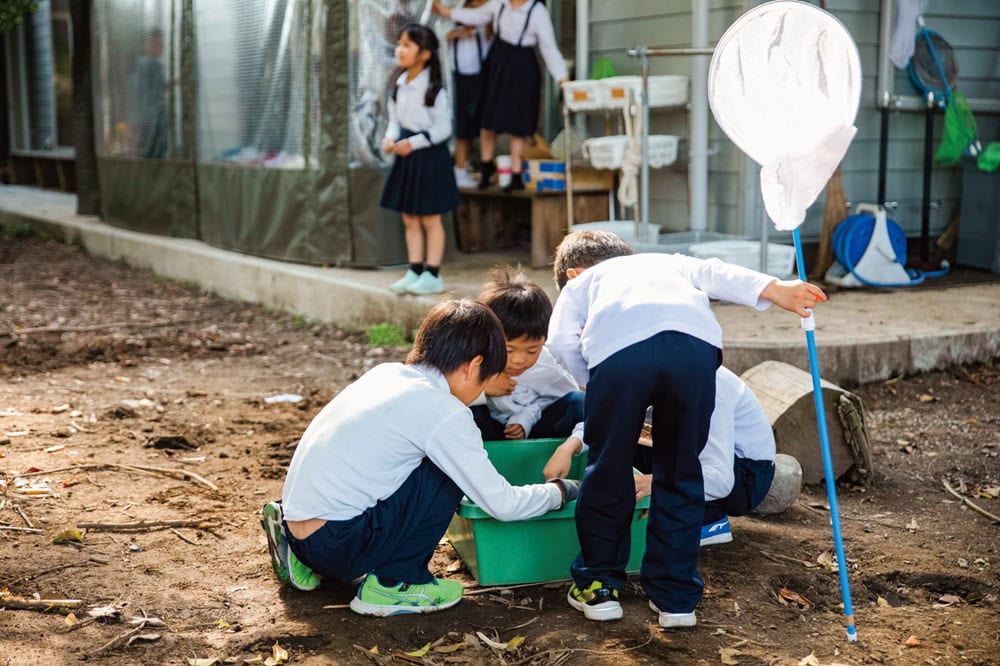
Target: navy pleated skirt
point(468, 91)
point(422, 183)
point(512, 91)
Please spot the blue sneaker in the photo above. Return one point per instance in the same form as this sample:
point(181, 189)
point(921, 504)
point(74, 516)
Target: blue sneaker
point(717, 532)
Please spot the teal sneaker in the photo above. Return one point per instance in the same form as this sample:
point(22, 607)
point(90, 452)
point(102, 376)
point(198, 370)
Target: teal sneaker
point(378, 600)
point(426, 284)
point(597, 601)
point(402, 285)
point(287, 567)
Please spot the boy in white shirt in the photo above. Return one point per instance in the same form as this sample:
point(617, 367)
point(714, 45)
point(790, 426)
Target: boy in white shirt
point(534, 396)
point(638, 331)
point(737, 463)
point(377, 475)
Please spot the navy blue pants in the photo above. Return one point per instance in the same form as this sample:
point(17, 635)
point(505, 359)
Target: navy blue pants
point(675, 374)
point(557, 420)
point(752, 480)
point(395, 539)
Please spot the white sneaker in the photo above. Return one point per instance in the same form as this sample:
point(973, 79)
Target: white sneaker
point(403, 284)
point(674, 620)
point(463, 179)
point(426, 284)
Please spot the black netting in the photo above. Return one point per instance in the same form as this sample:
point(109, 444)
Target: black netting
point(927, 70)
point(136, 73)
point(257, 71)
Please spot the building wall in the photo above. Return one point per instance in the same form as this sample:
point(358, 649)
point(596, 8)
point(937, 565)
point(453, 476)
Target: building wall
point(971, 26)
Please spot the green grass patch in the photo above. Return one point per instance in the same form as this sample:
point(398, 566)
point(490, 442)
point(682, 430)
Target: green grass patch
point(387, 335)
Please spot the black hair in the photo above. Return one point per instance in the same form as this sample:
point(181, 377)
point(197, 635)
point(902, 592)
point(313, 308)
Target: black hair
point(583, 249)
point(426, 40)
point(523, 308)
point(456, 331)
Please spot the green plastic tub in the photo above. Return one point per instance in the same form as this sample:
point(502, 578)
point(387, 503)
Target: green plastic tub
point(527, 551)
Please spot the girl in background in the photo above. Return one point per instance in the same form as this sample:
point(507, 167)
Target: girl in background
point(512, 94)
point(469, 46)
point(421, 184)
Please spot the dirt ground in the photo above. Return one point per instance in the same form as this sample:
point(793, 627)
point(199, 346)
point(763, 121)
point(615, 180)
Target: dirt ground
point(102, 364)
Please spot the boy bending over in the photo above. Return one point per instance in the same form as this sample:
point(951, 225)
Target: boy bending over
point(534, 396)
point(638, 331)
point(379, 472)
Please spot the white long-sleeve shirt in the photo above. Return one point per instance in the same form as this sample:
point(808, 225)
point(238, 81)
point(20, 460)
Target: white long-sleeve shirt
point(368, 440)
point(739, 428)
point(625, 300)
point(408, 110)
point(537, 387)
point(512, 23)
point(466, 53)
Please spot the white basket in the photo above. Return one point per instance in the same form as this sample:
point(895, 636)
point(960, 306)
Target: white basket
point(608, 152)
point(665, 90)
point(780, 258)
point(626, 230)
point(613, 91)
point(582, 95)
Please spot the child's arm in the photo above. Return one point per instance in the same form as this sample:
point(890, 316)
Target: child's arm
point(561, 460)
point(547, 45)
point(440, 128)
point(391, 130)
point(728, 282)
point(565, 331)
point(467, 15)
point(793, 295)
point(460, 33)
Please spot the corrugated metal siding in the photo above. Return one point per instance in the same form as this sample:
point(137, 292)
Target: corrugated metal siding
point(971, 26)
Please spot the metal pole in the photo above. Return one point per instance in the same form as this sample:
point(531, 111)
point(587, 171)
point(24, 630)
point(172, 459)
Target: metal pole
point(644, 181)
point(925, 213)
point(809, 325)
point(698, 119)
point(883, 151)
point(568, 157)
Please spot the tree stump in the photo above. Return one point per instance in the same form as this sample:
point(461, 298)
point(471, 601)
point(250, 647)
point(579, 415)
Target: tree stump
point(785, 392)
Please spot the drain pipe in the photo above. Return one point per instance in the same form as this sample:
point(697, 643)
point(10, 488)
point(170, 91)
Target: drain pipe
point(698, 118)
point(582, 56)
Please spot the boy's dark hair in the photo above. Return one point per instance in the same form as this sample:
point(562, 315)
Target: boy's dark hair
point(523, 308)
point(583, 249)
point(456, 331)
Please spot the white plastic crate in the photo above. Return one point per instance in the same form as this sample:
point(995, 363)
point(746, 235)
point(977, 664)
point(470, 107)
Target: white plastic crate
point(582, 95)
point(780, 258)
point(626, 230)
point(608, 152)
point(665, 90)
point(613, 91)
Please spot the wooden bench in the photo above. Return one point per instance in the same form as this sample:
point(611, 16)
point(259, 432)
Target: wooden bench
point(44, 168)
point(489, 219)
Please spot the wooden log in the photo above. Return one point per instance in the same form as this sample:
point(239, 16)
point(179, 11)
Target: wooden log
point(785, 392)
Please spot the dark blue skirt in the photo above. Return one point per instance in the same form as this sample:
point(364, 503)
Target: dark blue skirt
point(422, 183)
point(513, 89)
point(468, 88)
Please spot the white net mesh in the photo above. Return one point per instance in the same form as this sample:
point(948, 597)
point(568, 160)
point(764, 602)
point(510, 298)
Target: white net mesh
point(137, 59)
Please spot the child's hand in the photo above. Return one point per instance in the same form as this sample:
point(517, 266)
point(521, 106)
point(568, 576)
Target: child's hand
point(559, 464)
point(794, 296)
point(403, 148)
point(513, 431)
point(388, 145)
point(643, 486)
point(500, 385)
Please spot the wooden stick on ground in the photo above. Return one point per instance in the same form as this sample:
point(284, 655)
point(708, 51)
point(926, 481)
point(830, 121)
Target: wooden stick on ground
point(15, 528)
point(969, 503)
point(207, 524)
point(23, 517)
point(44, 572)
point(11, 602)
point(184, 538)
point(183, 474)
point(95, 327)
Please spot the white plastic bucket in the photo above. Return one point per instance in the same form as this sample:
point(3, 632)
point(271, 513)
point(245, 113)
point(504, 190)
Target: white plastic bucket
point(503, 170)
point(746, 253)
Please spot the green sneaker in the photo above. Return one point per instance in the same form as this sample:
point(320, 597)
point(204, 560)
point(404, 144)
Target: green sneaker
point(597, 601)
point(287, 567)
point(379, 600)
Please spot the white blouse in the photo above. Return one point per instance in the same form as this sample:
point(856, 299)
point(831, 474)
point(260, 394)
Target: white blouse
point(465, 52)
point(409, 111)
point(512, 23)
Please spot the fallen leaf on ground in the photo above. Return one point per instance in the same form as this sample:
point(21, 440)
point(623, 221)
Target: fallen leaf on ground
point(794, 597)
point(948, 600)
point(68, 536)
point(828, 561)
point(421, 652)
point(809, 660)
point(728, 656)
point(279, 655)
point(143, 637)
point(515, 642)
point(197, 661)
point(448, 649)
point(71, 620)
point(927, 397)
point(912, 525)
point(912, 641)
point(882, 603)
point(988, 492)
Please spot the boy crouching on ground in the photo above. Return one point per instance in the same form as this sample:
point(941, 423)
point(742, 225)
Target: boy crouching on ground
point(638, 331)
point(534, 396)
point(378, 473)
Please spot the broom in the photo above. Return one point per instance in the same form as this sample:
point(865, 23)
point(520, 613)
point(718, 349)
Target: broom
point(834, 210)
